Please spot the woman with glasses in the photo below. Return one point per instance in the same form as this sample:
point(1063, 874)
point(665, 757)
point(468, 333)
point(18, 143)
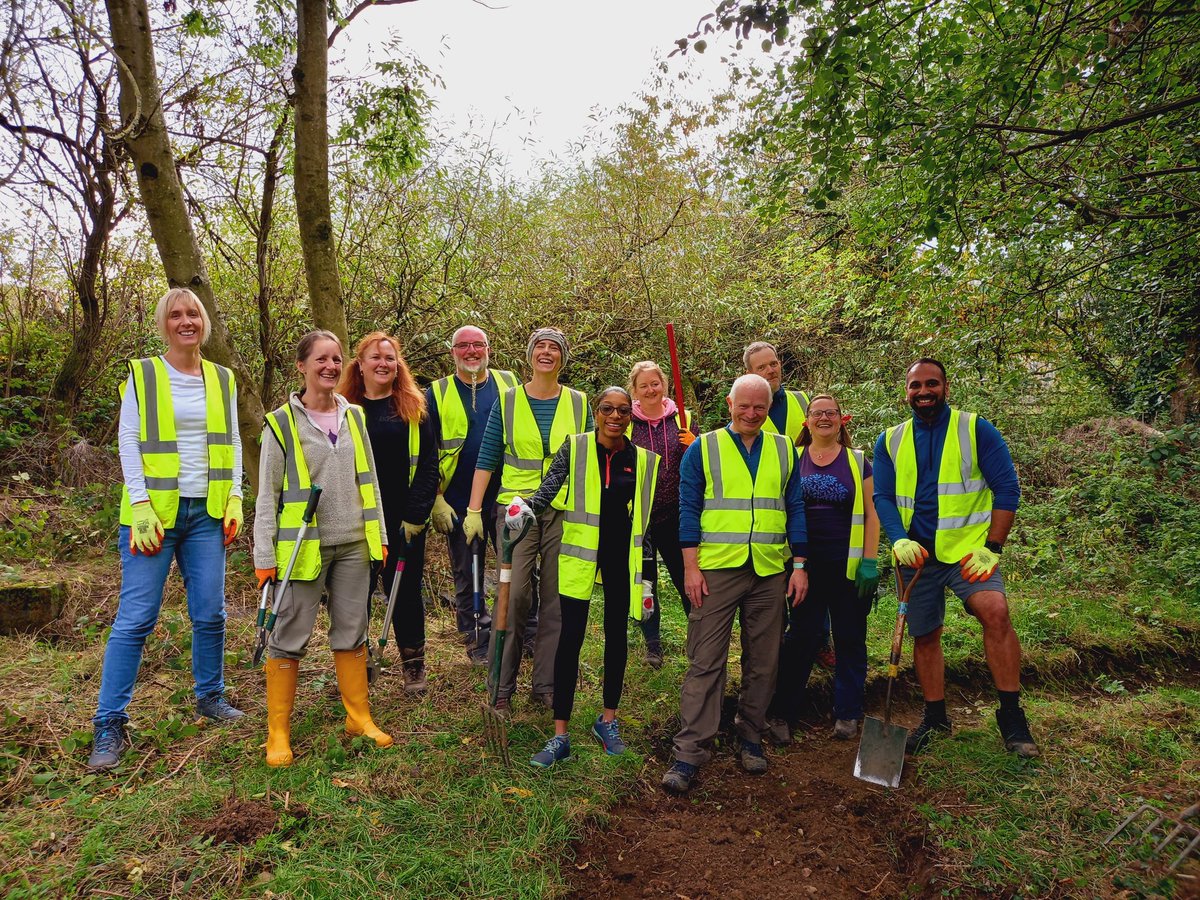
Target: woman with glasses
point(843, 543)
point(604, 485)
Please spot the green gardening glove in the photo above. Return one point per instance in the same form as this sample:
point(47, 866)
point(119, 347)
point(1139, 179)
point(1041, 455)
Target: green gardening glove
point(866, 580)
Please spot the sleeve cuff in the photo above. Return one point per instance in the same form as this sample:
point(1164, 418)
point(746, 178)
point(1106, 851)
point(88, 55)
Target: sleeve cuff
point(800, 548)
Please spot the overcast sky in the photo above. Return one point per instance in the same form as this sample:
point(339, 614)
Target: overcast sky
point(534, 72)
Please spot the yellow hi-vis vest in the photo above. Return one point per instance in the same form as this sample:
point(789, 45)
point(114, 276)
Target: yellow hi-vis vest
point(741, 518)
point(797, 412)
point(293, 495)
point(157, 438)
point(964, 498)
point(858, 519)
point(580, 498)
point(452, 416)
point(524, 463)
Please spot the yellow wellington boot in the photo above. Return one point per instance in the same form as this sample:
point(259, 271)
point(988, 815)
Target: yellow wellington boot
point(281, 697)
point(351, 666)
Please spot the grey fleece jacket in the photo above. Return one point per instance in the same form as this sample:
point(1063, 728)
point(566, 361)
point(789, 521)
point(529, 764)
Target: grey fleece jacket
point(339, 513)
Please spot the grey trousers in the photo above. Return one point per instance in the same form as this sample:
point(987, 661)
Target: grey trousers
point(710, 628)
point(541, 542)
point(346, 573)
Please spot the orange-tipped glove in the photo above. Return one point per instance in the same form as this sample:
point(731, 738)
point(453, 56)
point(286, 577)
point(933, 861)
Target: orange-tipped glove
point(384, 561)
point(233, 519)
point(146, 532)
point(979, 564)
point(686, 437)
point(264, 575)
point(909, 553)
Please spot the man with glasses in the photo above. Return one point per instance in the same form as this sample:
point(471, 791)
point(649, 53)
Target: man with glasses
point(742, 529)
point(459, 406)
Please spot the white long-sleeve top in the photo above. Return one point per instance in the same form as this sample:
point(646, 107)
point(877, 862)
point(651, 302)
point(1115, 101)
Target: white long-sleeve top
point(191, 433)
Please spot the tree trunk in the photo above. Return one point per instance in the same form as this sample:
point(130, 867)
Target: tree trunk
point(311, 79)
point(262, 252)
point(145, 134)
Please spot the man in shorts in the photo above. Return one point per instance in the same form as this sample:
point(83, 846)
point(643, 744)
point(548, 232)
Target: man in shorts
point(946, 493)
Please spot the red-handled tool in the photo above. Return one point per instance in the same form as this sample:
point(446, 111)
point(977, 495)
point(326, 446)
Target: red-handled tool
point(676, 373)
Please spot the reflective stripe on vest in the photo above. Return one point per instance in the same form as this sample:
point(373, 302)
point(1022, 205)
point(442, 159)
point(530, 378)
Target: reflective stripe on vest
point(797, 412)
point(741, 519)
point(293, 495)
point(452, 419)
point(524, 462)
point(964, 498)
point(157, 438)
point(580, 499)
point(858, 534)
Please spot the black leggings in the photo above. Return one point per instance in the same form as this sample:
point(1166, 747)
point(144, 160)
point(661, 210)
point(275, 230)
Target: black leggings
point(614, 570)
point(664, 538)
point(408, 618)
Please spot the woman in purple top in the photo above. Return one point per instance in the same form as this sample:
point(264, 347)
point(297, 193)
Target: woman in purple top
point(656, 425)
point(843, 544)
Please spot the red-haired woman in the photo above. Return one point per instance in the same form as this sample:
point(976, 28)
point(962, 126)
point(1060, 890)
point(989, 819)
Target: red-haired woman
point(405, 448)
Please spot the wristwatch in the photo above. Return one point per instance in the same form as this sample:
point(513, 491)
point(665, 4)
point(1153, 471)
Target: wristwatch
point(994, 546)
point(798, 564)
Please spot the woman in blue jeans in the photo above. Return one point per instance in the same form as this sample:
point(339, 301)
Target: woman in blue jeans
point(843, 545)
point(181, 456)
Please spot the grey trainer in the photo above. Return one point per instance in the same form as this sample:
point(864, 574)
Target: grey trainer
point(108, 743)
point(218, 709)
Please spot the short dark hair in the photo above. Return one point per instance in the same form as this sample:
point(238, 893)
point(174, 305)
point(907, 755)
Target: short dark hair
point(927, 361)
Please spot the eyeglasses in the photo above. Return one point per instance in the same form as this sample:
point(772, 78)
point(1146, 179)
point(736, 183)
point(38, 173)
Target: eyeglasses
point(471, 345)
point(607, 409)
point(824, 413)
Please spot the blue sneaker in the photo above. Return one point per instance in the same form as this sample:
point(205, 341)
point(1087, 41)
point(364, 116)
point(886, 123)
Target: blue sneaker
point(218, 709)
point(108, 743)
point(557, 749)
point(677, 779)
point(609, 735)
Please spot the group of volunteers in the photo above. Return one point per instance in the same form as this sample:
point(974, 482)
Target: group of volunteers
point(773, 518)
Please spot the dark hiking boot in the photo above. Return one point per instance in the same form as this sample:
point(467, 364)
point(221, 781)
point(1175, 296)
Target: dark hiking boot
point(924, 735)
point(753, 760)
point(654, 655)
point(677, 779)
point(413, 662)
point(1014, 729)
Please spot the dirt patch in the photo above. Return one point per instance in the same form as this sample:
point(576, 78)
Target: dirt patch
point(240, 822)
point(807, 828)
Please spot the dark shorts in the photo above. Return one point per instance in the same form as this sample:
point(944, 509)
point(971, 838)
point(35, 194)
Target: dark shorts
point(927, 605)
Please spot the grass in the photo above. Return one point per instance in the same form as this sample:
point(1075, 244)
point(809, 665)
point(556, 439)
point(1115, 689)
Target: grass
point(436, 816)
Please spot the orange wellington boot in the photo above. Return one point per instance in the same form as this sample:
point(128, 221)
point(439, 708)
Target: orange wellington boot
point(281, 697)
point(351, 666)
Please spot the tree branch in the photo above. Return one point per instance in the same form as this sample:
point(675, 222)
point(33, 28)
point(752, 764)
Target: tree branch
point(361, 7)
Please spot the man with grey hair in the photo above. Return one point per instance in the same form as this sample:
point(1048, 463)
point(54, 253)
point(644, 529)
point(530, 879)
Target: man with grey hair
point(788, 408)
point(459, 405)
point(741, 527)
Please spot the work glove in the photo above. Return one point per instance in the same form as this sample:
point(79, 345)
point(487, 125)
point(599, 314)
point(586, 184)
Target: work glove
point(516, 514)
point(979, 564)
point(264, 575)
point(443, 516)
point(411, 531)
point(383, 562)
point(146, 532)
point(686, 437)
point(473, 525)
point(233, 519)
point(866, 580)
point(909, 553)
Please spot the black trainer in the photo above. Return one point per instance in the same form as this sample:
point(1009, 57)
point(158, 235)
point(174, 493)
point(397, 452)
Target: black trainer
point(108, 743)
point(1014, 729)
point(924, 735)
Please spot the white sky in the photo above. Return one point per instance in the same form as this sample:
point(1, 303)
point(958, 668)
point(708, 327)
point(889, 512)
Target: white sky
point(535, 72)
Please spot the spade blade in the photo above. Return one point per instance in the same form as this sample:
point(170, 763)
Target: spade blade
point(881, 752)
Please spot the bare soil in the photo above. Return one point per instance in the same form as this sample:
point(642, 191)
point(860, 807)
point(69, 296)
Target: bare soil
point(240, 822)
point(807, 828)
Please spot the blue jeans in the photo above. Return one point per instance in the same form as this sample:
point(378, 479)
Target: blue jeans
point(197, 542)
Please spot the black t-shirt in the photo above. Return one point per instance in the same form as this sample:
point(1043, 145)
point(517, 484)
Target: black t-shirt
point(402, 502)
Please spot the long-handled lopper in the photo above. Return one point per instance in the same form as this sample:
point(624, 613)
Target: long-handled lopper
point(266, 621)
point(495, 726)
point(881, 750)
point(478, 549)
point(374, 656)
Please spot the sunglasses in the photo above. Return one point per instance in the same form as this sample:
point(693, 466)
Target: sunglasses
point(607, 409)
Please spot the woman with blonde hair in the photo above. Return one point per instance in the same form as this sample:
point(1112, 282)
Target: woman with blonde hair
point(843, 545)
point(406, 460)
point(657, 425)
point(317, 437)
point(181, 456)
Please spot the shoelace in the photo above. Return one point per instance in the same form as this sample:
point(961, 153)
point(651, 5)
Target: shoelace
point(107, 739)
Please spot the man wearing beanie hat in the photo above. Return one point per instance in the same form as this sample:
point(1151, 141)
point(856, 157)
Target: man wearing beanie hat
point(526, 427)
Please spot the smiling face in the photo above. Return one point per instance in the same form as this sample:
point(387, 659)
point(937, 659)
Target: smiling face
point(379, 367)
point(612, 416)
point(766, 363)
point(470, 351)
point(926, 390)
point(547, 357)
point(749, 403)
point(824, 418)
point(648, 387)
point(322, 368)
point(184, 325)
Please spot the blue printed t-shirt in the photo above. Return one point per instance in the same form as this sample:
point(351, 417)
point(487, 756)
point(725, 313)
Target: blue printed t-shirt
point(828, 504)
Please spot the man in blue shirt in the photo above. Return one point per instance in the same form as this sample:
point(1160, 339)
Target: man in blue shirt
point(946, 493)
point(745, 487)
